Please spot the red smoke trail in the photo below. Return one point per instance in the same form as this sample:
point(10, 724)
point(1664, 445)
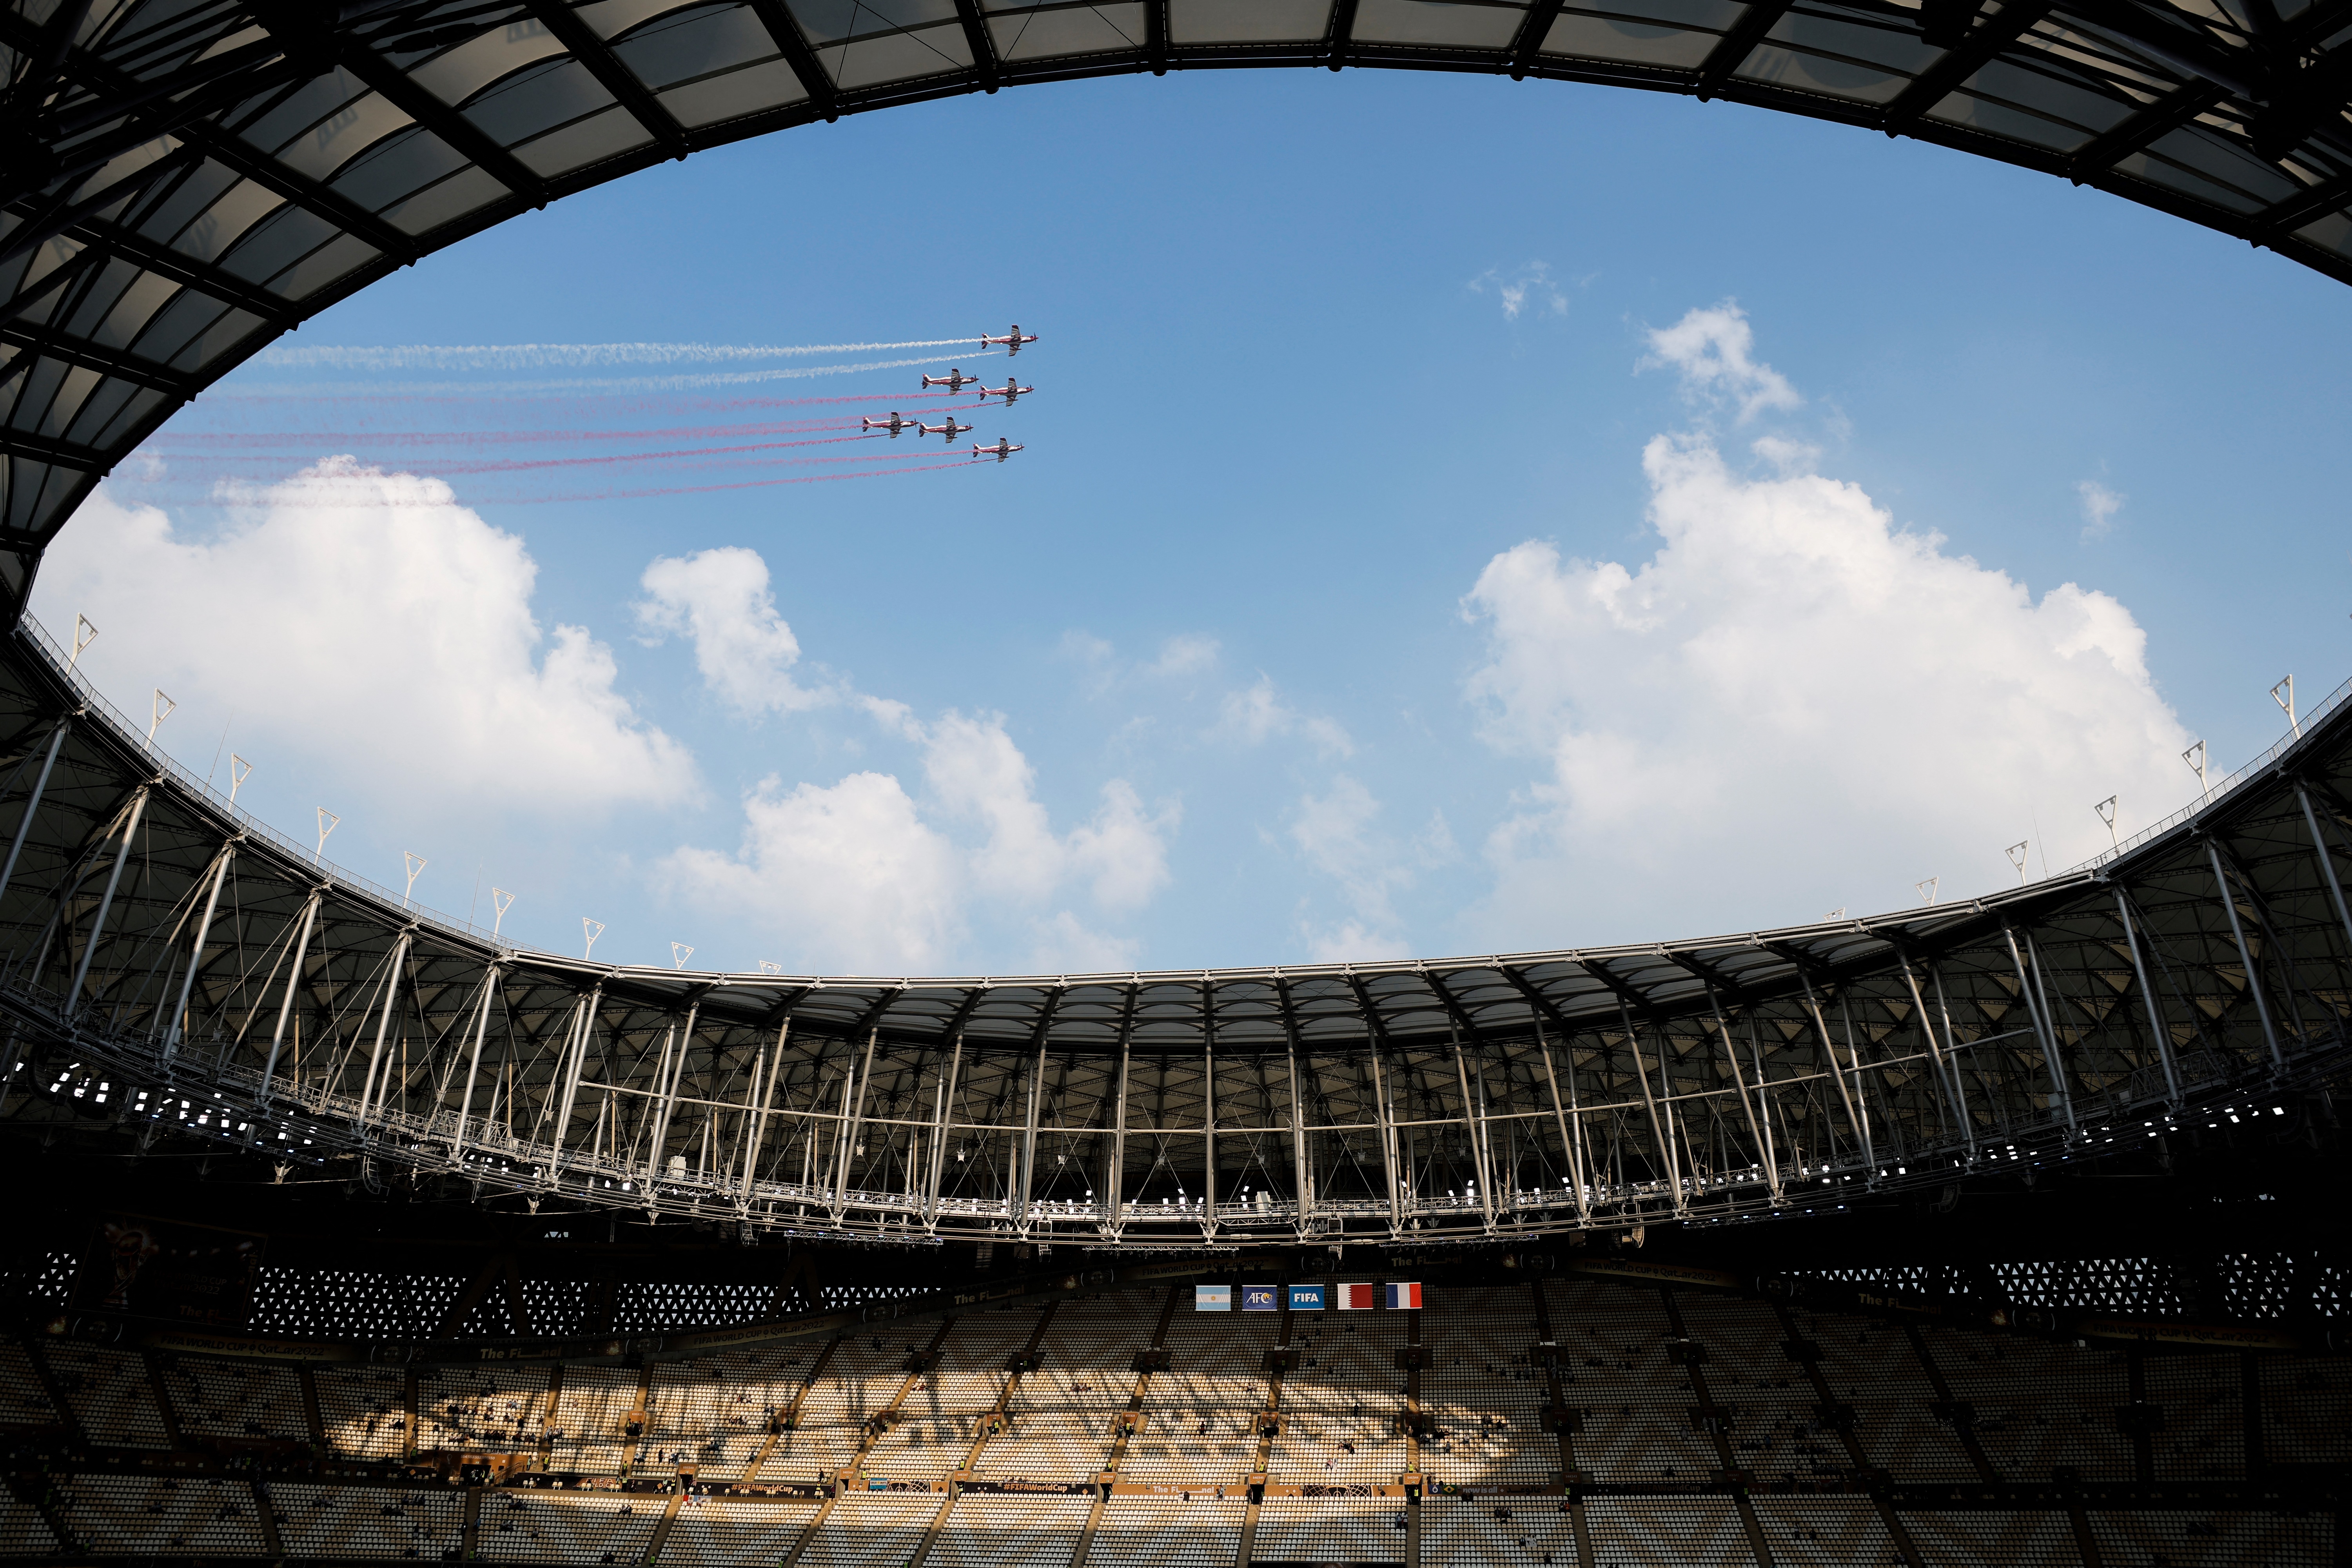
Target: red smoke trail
point(197, 443)
point(523, 464)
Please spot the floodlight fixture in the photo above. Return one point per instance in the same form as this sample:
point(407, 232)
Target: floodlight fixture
point(1836, 914)
point(2194, 757)
point(1926, 889)
point(84, 634)
point(2107, 810)
point(2284, 695)
point(501, 902)
point(591, 929)
point(679, 953)
point(768, 968)
point(2017, 858)
point(327, 822)
point(164, 709)
point(415, 864)
point(239, 770)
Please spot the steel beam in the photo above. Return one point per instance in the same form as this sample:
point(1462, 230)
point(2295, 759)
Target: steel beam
point(2043, 1031)
point(2162, 1036)
point(293, 980)
point(33, 804)
point(2301, 796)
point(2245, 956)
point(113, 880)
point(172, 1035)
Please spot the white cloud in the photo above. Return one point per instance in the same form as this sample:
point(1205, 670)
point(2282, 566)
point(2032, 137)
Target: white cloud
point(1187, 653)
point(1712, 348)
point(1528, 286)
point(845, 879)
point(1255, 714)
point(364, 616)
point(1337, 835)
point(1793, 704)
point(743, 646)
point(859, 876)
point(2100, 505)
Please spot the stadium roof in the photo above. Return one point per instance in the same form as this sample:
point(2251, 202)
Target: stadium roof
point(180, 181)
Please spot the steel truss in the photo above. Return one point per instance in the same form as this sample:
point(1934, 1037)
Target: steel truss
point(175, 966)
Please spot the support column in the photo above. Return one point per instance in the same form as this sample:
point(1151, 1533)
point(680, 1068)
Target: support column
point(1470, 1125)
point(1302, 1194)
point(172, 1037)
point(1854, 1118)
point(1029, 1139)
point(1660, 1132)
point(945, 1104)
point(33, 805)
point(1756, 1130)
point(474, 1062)
point(1571, 1134)
point(2310, 817)
point(1115, 1179)
point(382, 1024)
point(113, 880)
point(2041, 1031)
point(1388, 1138)
point(855, 1109)
point(2237, 932)
point(2157, 1030)
point(1955, 1096)
point(1208, 1115)
point(293, 980)
point(767, 1098)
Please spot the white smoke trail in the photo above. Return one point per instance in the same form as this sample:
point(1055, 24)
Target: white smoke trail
point(561, 356)
point(615, 384)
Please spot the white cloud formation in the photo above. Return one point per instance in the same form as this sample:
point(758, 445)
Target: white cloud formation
point(2100, 505)
point(859, 876)
point(1791, 696)
point(365, 616)
point(843, 879)
point(1528, 286)
point(1187, 653)
point(744, 650)
point(1713, 350)
point(1257, 713)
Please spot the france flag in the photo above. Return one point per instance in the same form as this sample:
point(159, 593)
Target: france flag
point(1405, 1297)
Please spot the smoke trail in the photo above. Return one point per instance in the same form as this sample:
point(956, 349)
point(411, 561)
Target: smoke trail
point(564, 356)
point(198, 443)
point(298, 488)
point(599, 384)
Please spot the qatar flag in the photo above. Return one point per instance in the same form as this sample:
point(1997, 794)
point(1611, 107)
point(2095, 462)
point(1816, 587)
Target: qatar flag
point(1359, 1298)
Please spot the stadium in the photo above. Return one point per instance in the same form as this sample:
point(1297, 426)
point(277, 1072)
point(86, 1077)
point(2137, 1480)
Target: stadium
point(1829, 1245)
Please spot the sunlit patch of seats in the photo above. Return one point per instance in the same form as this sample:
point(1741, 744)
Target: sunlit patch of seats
point(991, 1532)
point(865, 1530)
point(361, 1409)
point(589, 1431)
point(1203, 1531)
point(1635, 1402)
point(570, 1526)
point(1064, 1415)
point(146, 1516)
point(1340, 1401)
point(1200, 1429)
point(863, 1374)
point(716, 1408)
point(942, 1414)
point(1492, 1529)
point(235, 1399)
point(109, 1395)
point(485, 1409)
point(756, 1532)
point(1686, 1533)
point(1329, 1530)
point(1484, 1391)
point(366, 1521)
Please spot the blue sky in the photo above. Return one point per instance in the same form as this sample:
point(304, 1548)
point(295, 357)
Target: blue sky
point(1291, 634)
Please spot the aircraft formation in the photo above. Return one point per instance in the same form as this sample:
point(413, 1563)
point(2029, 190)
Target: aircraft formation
point(955, 380)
